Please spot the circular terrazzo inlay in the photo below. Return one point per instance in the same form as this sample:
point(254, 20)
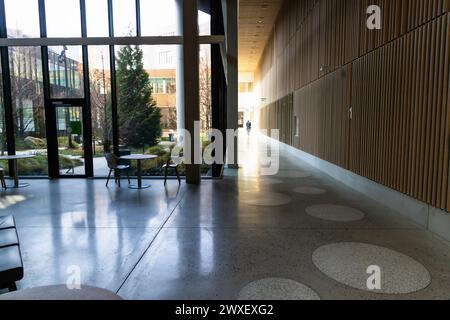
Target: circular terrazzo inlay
point(349, 263)
point(309, 190)
point(277, 289)
point(335, 213)
point(263, 181)
point(293, 174)
point(270, 181)
point(265, 199)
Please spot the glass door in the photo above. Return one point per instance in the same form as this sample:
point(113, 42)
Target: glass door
point(70, 139)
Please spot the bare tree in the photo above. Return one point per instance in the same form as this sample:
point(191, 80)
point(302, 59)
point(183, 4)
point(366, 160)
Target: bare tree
point(205, 92)
point(2, 123)
point(101, 105)
point(26, 92)
point(172, 118)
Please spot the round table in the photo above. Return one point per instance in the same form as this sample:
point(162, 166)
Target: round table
point(14, 158)
point(139, 158)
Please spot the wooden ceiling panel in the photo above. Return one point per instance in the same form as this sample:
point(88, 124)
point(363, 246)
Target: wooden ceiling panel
point(256, 20)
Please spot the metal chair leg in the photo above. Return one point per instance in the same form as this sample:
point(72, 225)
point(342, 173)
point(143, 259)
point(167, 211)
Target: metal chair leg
point(118, 178)
point(109, 176)
point(178, 175)
point(165, 175)
point(128, 176)
point(2, 177)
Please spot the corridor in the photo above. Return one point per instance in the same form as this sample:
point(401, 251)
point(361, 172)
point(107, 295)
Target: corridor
point(297, 235)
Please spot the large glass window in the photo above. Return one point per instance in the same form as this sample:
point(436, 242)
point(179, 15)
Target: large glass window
point(159, 18)
point(205, 100)
point(28, 108)
point(124, 18)
point(66, 72)
point(101, 109)
point(3, 140)
point(146, 93)
point(63, 18)
point(204, 23)
point(97, 18)
point(146, 80)
point(205, 87)
point(22, 18)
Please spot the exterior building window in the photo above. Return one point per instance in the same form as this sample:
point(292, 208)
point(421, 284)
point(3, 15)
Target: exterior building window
point(245, 87)
point(166, 57)
point(28, 108)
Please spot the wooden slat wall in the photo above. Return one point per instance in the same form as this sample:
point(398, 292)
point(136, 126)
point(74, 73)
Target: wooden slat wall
point(279, 115)
point(396, 81)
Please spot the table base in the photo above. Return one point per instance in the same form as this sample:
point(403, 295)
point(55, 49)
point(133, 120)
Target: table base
point(135, 186)
point(21, 185)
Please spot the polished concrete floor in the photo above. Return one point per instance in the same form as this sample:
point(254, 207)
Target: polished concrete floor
point(217, 240)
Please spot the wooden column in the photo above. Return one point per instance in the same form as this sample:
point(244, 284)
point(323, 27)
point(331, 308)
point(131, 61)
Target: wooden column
point(191, 84)
point(218, 81)
point(230, 11)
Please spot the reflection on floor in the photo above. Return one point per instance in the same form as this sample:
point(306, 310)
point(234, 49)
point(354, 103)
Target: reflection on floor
point(298, 235)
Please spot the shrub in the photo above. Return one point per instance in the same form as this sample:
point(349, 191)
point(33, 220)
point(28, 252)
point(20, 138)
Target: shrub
point(64, 142)
point(35, 143)
point(66, 163)
point(157, 150)
point(34, 166)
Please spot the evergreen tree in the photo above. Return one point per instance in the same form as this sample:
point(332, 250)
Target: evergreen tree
point(139, 118)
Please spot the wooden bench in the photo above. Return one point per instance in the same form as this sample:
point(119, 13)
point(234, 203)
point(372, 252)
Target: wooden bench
point(11, 264)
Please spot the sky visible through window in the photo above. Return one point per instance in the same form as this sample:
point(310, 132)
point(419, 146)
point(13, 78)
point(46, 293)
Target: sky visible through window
point(158, 18)
point(63, 17)
point(22, 15)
